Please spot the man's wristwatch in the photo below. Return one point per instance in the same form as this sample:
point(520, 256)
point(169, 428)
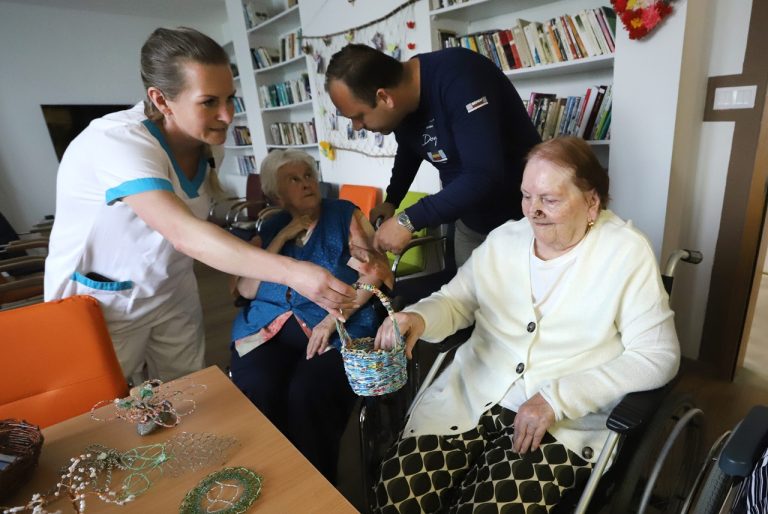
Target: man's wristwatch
point(404, 221)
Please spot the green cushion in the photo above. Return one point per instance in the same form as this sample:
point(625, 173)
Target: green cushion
point(414, 260)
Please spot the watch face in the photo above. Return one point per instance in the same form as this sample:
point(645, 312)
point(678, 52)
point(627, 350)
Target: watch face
point(405, 221)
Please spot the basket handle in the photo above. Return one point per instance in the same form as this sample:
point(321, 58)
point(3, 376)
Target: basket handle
point(385, 301)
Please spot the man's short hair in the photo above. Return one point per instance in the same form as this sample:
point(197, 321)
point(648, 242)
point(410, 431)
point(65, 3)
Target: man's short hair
point(364, 70)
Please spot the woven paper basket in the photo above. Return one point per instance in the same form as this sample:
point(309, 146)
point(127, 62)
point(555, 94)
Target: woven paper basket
point(21, 440)
point(373, 372)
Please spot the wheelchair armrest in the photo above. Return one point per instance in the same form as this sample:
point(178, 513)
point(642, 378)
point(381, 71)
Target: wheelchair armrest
point(634, 410)
point(455, 340)
point(419, 241)
point(747, 443)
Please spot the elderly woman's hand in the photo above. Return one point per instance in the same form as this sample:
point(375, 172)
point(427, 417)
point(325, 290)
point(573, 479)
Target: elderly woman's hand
point(296, 227)
point(321, 334)
point(533, 419)
point(411, 327)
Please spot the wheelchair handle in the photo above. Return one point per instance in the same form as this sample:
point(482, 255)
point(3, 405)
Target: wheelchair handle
point(692, 256)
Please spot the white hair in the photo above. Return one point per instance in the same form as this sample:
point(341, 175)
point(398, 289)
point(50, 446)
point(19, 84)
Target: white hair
point(275, 160)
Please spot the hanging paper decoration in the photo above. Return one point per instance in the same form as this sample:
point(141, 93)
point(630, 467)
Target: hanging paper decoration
point(394, 51)
point(326, 150)
point(378, 41)
point(386, 34)
point(640, 17)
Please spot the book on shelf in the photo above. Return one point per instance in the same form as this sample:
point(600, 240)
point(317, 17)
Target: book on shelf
point(246, 164)
point(264, 57)
point(239, 104)
point(293, 133)
point(588, 116)
point(253, 14)
point(565, 38)
point(290, 45)
point(285, 93)
point(242, 135)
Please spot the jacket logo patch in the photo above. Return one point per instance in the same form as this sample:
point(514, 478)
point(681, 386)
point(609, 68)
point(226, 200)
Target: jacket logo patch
point(438, 156)
point(476, 104)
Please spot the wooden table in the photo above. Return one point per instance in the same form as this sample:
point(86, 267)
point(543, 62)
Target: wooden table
point(290, 483)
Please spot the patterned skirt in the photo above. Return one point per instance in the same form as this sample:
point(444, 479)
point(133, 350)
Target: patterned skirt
point(477, 472)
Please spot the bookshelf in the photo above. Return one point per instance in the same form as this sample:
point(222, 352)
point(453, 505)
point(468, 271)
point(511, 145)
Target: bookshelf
point(266, 43)
point(566, 78)
point(238, 153)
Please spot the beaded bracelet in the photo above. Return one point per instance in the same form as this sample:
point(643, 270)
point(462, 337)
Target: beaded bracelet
point(207, 498)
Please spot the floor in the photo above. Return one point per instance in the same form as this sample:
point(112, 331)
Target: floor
point(723, 403)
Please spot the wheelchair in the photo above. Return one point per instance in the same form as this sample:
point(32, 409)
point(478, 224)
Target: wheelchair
point(656, 436)
point(723, 485)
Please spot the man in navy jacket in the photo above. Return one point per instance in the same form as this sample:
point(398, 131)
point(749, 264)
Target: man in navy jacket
point(457, 110)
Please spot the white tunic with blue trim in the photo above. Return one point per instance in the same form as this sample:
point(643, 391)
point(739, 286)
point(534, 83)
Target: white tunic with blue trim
point(138, 271)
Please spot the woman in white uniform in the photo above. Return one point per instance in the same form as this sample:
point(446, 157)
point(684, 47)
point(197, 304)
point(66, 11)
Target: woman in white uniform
point(133, 192)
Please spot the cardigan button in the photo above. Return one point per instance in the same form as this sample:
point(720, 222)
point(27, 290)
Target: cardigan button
point(454, 427)
point(531, 326)
point(520, 368)
point(587, 452)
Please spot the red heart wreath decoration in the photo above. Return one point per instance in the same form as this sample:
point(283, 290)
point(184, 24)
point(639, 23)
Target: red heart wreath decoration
point(641, 16)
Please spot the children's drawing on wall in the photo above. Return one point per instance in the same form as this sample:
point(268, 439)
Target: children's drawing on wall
point(389, 34)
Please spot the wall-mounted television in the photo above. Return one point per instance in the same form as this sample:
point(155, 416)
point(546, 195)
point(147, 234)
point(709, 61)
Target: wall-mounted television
point(65, 122)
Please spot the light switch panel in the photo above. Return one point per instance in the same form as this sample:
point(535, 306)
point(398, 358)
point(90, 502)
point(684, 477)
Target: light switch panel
point(739, 97)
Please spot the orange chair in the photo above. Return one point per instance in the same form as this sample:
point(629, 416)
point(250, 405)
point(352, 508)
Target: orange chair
point(56, 361)
point(365, 197)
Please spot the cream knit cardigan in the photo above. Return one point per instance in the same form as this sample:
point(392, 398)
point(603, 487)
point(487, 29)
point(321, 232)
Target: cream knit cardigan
point(584, 355)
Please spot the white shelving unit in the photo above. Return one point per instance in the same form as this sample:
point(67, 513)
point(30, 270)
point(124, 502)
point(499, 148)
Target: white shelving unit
point(283, 18)
point(571, 78)
point(230, 174)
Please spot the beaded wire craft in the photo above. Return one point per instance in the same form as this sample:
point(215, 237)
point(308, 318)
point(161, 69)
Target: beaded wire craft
point(226, 491)
point(91, 473)
point(373, 372)
point(152, 405)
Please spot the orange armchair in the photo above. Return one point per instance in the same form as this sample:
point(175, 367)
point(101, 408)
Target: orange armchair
point(365, 197)
point(56, 361)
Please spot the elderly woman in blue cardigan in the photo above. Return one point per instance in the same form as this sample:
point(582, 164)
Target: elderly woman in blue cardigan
point(285, 350)
point(570, 315)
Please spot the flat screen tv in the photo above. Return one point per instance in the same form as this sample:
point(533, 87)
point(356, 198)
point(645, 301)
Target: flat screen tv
point(65, 122)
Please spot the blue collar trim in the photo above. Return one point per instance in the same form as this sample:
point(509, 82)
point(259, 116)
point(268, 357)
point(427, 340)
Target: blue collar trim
point(190, 187)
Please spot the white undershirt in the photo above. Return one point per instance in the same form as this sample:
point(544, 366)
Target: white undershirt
point(547, 279)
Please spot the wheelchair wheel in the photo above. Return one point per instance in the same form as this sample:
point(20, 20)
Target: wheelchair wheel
point(714, 491)
point(678, 472)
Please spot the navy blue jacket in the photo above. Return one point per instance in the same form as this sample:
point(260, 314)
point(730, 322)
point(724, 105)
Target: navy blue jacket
point(472, 125)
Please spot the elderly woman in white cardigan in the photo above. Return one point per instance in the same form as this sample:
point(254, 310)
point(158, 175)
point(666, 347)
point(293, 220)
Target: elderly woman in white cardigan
point(570, 315)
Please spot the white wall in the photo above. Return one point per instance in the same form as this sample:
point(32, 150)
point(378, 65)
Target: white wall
point(645, 91)
point(61, 56)
point(325, 17)
point(715, 45)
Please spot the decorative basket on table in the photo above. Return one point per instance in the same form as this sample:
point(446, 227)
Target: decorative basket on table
point(20, 445)
point(373, 372)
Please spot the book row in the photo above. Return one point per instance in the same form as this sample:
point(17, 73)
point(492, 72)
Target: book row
point(290, 48)
point(239, 104)
point(290, 45)
point(254, 14)
point(285, 93)
point(287, 133)
point(588, 33)
point(264, 57)
point(242, 135)
point(246, 164)
point(587, 116)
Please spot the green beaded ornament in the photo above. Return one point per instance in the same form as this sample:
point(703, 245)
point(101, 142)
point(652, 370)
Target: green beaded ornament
point(248, 484)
